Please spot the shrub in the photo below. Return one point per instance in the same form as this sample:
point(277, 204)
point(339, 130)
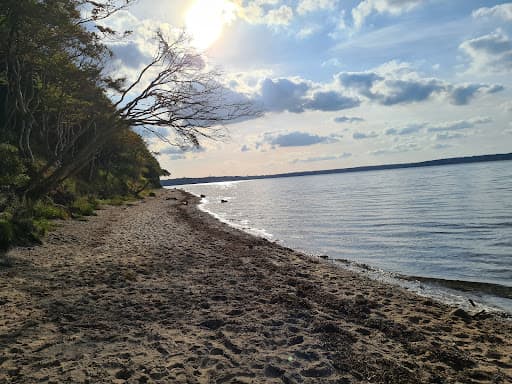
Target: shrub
point(65, 193)
point(84, 206)
point(40, 228)
point(25, 231)
point(49, 211)
point(6, 234)
point(12, 171)
point(116, 200)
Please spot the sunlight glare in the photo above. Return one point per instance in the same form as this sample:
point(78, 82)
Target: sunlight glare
point(206, 19)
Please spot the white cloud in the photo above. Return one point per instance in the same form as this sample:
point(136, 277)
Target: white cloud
point(393, 7)
point(308, 31)
point(306, 6)
point(449, 136)
point(362, 135)
point(297, 95)
point(398, 83)
point(334, 62)
point(137, 49)
point(507, 106)
point(459, 124)
point(503, 11)
point(314, 159)
point(489, 53)
point(280, 16)
point(264, 12)
point(398, 148)
point(348, 119)
point(289, 139)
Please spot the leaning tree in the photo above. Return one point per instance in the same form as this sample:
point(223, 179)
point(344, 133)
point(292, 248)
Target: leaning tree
point(59, 104)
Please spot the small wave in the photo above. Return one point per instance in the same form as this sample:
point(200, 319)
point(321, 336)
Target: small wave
point(466, 286)
point(472, 296)
point(242, 226)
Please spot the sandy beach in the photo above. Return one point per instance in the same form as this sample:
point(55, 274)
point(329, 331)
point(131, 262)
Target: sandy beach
point(160, 292)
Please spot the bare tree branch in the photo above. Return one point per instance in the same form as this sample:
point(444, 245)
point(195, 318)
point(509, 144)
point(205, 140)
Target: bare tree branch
point(179, 93)
point(102, 9)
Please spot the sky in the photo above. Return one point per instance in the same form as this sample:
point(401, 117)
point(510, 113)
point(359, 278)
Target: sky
point(340, 83)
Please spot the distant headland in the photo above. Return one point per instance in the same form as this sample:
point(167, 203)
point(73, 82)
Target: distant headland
point(429, 163)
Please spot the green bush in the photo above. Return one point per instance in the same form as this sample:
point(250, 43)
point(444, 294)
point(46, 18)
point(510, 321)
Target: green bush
point(84, 206)
point(65, 193)
point(12, 171)
point(40, 228)
point(49, 211)
point(6, 234)
point(116, 200)
point(25, 231)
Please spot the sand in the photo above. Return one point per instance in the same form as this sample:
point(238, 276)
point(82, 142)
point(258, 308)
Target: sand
point(160, 292)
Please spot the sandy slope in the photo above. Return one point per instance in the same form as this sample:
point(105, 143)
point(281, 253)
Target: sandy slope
point(161, 292)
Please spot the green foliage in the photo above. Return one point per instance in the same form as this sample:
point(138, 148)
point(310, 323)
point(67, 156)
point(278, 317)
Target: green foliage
point(63, 143)
point(84, 206)
point(13, 171)
point(40, 227)
point(116, 201)
point(6, 234)
point(49, 211)
point(26, 230)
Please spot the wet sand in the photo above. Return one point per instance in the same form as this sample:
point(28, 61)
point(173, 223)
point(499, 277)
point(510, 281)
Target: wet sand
point(160, 292)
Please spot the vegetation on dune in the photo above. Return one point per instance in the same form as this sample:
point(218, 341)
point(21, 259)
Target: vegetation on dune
point(66, 137)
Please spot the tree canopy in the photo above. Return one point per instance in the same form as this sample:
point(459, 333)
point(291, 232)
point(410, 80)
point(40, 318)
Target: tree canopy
point(64, 120)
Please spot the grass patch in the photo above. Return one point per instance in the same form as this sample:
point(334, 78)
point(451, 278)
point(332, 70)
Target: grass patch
point(116, 200)
point(49, 211)
point(84, 206)
point(42, 227)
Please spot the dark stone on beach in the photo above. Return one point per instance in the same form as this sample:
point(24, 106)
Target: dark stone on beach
point(216, 351)
point(363, 331)
point(321, 371)
point(307, 355)
point(453, 357)
point(273, 371)
point(124, 374)
point(327, 328)
point(212, 324)
point(223, 201)
point(203, 196)
point(158, 375)
point(296, 340)
point(162, 350)
point(288, 379)
point(462, 314)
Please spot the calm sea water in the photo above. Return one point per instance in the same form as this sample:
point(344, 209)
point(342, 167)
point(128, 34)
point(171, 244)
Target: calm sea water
point(448, 222)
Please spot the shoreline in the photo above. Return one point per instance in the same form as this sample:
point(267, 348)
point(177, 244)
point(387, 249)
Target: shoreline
point(162, 292)
point(469, 295)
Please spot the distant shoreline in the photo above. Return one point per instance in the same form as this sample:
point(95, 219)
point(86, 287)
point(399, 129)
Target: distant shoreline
point(429, 163)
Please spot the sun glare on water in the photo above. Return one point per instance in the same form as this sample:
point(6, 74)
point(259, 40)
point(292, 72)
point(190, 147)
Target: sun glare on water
point(205, 20)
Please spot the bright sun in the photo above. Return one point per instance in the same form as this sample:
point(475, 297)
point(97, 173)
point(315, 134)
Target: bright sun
point(205, 20)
